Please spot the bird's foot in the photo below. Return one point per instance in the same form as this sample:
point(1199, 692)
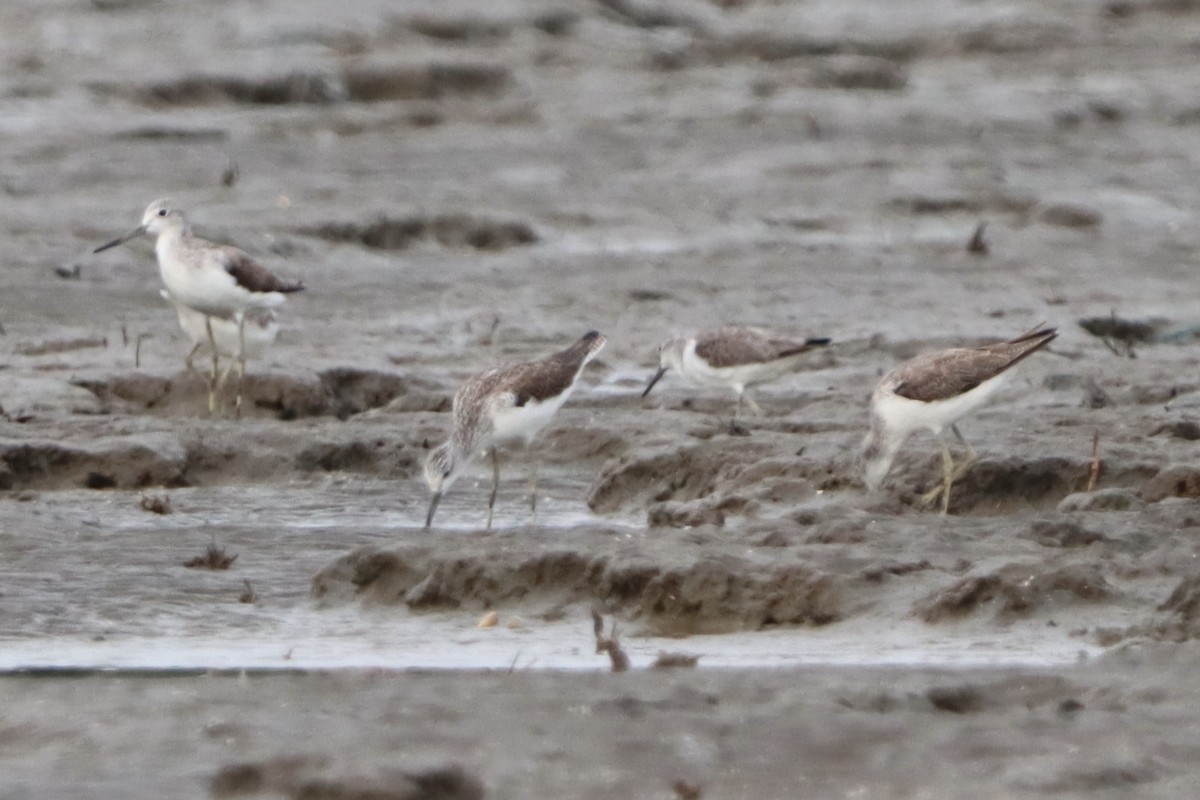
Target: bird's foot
point(933, 494)
point(736, 428)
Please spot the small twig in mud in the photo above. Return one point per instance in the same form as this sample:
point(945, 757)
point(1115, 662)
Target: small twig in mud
point(137, 350)
point(687, 791)
point(489, 338)
point(247, 595)
point(214, 558)
point(667, 660)
point(609, 644)
point(513, 665)
point(156, 503)
point(977, 245)
point(124, 336)
point(1094, 471)
point(231, 174)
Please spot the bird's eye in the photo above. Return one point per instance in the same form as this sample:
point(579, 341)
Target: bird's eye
point(445, 474)
point(162, 212)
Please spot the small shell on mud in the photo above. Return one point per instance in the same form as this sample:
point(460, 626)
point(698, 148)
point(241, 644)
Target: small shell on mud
point(488, 620)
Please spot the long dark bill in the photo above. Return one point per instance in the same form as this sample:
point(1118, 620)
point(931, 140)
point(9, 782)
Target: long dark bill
point(433, 504)
point(133, 234)
point(661, 371)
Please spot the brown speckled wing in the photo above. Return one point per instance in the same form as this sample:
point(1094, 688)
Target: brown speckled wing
point(550, 376)
point(252, 276)
point(733, 346)
point(948, 373)
point(517, 384)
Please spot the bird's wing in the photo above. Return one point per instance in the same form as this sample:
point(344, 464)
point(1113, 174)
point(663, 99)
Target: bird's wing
point(251, 274)
point(539, 380)
point(945, 374)
point(736, 345)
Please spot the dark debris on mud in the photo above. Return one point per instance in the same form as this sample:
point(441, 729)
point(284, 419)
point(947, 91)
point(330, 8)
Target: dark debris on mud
point(449, 230)
point(353, 84)
point(305, 777)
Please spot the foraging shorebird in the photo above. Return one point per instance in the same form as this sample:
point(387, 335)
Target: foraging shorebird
point(506, 404)
point(215, 280)
point(934, 391)
point(733, 356)
point(262, 326)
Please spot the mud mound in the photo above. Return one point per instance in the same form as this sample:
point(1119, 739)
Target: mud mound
point(1016, 590)
point(340, 392)
point(376, 456)
point(314, 777)
point(680, 588)
point(1179, 615)
point(362, 84)
point(996, 486)
point(450, 230)
point(125, 462)
point(685, 515)
point(1177, 480)
point(1063, 533)
point(679, 475)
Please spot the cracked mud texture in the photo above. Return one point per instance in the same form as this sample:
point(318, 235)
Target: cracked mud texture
point(460, 187)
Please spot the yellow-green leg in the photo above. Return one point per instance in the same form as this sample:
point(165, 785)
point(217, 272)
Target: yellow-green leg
point(214, 385)
point(942, 488)
point(187, 360)
point(533, 493)
point(241, 365)
point(950, 472)
point(495, 485)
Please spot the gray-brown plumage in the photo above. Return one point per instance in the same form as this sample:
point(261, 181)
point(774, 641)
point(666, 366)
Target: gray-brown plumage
point(934, 391)
point(734, 356)
point(252, 275)
point(734, 346)
point(506, 404)
point(947, 373)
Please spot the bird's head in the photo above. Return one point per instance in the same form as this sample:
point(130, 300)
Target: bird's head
point(670, 356)
point(442, 468)
point(161, 215)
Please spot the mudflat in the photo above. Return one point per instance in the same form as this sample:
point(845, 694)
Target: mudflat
point(461, 187)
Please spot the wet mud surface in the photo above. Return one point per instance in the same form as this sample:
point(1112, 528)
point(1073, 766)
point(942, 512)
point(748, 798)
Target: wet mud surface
point(459, 188)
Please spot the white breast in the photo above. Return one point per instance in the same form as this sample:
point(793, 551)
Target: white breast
point(196, 278)
point(524, 422)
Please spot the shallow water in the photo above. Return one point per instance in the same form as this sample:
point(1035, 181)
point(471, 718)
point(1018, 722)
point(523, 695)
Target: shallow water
point(107, 590)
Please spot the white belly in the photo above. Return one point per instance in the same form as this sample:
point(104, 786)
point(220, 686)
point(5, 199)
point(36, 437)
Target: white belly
point(259, 336)
point(524, 422)
point(901, 414)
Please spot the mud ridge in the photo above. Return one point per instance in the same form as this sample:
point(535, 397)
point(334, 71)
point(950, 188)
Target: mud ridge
point(358, 84)
point(692, 591)
point(449, 230)
point(340, 392)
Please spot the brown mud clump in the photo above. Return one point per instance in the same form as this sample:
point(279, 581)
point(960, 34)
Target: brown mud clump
point(675, 586)
point(1016, 590)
